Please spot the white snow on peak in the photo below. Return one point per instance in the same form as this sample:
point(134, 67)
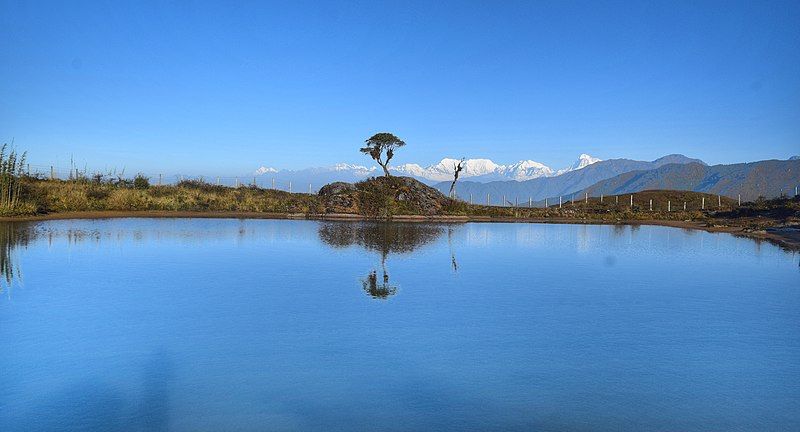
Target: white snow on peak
point(353, 167)
point(583, 161)
point(489, 170)
point(526, 170)
point(265, 170)
point(480, 169)
point(444, 169)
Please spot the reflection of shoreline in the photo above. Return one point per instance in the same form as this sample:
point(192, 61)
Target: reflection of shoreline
point(784, 238)
point(12, 236)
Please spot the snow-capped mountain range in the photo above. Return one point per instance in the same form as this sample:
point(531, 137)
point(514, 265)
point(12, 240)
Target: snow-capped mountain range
point(481, 170)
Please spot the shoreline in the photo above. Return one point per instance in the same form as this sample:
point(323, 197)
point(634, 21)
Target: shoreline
point(785, 237)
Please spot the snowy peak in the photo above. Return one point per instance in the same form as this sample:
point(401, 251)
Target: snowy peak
point(477, 169)
point(352, 167)
point(486, 168)
point(527, 169)
point(583, 161)
point(444, 169)
point(265, 170)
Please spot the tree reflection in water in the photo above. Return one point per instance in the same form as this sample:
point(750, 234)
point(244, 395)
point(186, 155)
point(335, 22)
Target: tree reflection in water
point(12, 236)
point(375, 290)
point(385, 238)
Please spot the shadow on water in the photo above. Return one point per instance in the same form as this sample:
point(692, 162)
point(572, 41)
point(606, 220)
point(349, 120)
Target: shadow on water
point(385, 238)
point(92, 404)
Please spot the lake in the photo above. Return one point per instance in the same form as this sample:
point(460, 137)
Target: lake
point(238, 325)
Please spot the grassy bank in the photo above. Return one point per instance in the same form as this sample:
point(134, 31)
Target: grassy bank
point(398, 198)
point(379, 198)
point(39, 196)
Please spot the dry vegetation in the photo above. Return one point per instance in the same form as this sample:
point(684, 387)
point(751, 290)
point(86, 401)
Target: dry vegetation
point(379, 198)
point(56, 196)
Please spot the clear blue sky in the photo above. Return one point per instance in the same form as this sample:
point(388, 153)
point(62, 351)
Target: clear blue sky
point(222, 87)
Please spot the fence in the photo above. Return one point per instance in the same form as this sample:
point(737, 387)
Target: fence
point(629, 200)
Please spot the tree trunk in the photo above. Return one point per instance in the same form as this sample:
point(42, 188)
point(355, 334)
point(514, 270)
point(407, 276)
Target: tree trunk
point(385, 170)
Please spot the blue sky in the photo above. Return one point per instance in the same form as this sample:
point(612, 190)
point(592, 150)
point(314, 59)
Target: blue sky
point(223, 87)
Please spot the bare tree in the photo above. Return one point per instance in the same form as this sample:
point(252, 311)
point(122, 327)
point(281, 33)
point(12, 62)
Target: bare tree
point(380, 143)
point(457, 168)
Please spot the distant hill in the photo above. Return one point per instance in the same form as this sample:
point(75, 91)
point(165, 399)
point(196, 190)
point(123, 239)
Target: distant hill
point(564, 184)
point(765, 178)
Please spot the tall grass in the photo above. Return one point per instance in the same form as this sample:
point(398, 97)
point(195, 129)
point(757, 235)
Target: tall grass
point(12, 168)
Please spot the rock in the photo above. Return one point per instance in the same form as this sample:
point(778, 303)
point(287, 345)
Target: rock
point(383, 197)
point(339, 197)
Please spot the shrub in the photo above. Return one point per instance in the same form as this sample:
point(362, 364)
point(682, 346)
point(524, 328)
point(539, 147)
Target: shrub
point(141, 182)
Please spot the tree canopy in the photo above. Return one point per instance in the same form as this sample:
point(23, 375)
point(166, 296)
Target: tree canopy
point(379, 143)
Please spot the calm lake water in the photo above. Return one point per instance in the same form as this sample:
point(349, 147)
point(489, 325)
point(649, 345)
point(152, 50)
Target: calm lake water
point(205, 324)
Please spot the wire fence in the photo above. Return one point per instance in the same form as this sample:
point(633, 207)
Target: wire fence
point(636, 201)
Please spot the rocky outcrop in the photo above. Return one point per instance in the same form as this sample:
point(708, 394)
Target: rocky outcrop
point(339, 197)
point(382, 197)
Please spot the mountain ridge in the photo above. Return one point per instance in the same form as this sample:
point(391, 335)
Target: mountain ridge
point(561, 185)
point(751, 180)
point(481, 170)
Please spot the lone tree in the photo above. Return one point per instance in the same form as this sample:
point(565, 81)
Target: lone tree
point(380, 143)
point(457, 168)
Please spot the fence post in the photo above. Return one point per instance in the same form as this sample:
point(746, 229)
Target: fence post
point(703, 205)
point(159, 179)
point(719, 201)
point(309, 188)
point(217, 180)
point(237, 182)
point(684, 206)
point(530, 202)
point(631, 201)
point(487, 199)
point(616, 199)
point(545, 203)
point(651, 205)
point(559, 202)
point(740, 200)
point(52, 173)
point(290, 187)
point(601, 198)
point(586, 198)
point(470, 198)
point(669, 206)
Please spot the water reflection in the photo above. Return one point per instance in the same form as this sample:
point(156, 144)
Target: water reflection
point(13, 235)
point(385, 238)
point(376, 290)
